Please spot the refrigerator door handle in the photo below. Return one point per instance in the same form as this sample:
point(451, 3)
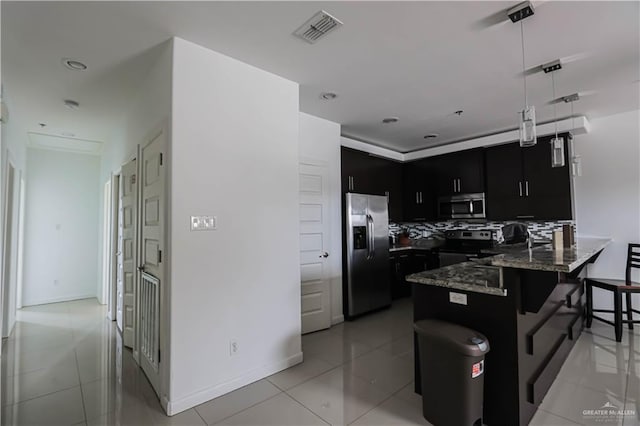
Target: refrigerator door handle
point(370, 238)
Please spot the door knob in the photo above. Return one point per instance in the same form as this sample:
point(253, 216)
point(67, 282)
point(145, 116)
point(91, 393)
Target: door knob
point(325, 255)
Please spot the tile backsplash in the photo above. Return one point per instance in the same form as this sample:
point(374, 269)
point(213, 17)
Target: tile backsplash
point(540, 230)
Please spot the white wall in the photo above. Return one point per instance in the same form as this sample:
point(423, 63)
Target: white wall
point(234, 155)
point(320, 140)
point(61, 220)
point(150, 106)
point(607, 195)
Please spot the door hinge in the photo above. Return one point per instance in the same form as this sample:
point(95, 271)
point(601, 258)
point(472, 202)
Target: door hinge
point(161, 159)
point(159, 256)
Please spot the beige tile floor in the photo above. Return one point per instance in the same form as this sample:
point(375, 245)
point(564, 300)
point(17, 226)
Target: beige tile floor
point(64, 364)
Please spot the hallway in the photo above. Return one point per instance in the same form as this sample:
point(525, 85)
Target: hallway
point(64, 364)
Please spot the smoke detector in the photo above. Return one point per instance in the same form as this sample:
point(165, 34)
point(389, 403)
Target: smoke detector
point(318, 26)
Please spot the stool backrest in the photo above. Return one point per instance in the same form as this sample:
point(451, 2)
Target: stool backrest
point(633, 261)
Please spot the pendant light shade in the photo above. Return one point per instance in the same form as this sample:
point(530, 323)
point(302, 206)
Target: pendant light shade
point(528, 126)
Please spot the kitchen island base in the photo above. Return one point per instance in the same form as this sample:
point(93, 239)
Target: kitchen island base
point(531, 331)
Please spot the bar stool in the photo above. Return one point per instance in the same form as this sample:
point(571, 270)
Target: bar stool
point(618, 287)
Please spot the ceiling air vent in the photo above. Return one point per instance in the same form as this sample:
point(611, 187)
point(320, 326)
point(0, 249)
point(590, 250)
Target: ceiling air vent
point(317, 27)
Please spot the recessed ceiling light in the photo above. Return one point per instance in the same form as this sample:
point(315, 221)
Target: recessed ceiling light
point(328, 96)
point(68, 134)
point(390, 120)
point(71, 104)
point(458, 112)
point(74, 65)
point(431, 136)
point(42, 124)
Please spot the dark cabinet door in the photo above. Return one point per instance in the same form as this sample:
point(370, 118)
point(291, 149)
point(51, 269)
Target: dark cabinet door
point(419, 191)
point(393, 189)
point(521, 184)
point(505, 186)
point(460, 172)
point(547, 188)
point(368, 174)
point(355, 171)
point(470, 171)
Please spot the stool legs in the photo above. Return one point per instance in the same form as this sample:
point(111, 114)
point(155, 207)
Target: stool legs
point(617, 308)
point(629, 311)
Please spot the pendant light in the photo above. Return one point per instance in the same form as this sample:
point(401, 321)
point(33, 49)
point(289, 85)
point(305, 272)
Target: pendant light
point(557, 144)
point(528, 114)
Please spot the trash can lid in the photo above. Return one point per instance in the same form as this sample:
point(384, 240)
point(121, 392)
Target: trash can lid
point(454, 337)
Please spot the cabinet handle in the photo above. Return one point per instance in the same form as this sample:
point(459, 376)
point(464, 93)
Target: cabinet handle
point(417, 201)
point(420, 197)
point(419, 218)
point(352, 184)
point(525, 217)
point(454, 185)
point(526, 188)
point(459, 185)
point(520, 187)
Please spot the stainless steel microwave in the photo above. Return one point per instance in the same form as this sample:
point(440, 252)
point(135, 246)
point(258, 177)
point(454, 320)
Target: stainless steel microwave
point(462, 206)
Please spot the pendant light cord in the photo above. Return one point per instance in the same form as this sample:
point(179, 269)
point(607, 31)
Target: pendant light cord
point(524, 70)
point(555, 103)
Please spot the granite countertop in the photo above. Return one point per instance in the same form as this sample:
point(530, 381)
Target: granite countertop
point(545, 258)
point(477, 276)
point(485, 275)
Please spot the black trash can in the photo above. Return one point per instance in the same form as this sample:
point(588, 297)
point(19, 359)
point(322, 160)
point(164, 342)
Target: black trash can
point(452, 372)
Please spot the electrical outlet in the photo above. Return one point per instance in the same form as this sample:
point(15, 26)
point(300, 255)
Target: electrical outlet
point(233, 348)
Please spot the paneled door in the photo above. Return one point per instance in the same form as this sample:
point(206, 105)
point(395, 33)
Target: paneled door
point(127, 249)
point(152, 199)
point(314, 242)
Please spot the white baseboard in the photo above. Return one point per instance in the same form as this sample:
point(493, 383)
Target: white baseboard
point(197, 398)
point(337, 319)
point(58, 300)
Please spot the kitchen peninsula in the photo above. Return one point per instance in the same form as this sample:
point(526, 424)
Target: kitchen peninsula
point(528, 302)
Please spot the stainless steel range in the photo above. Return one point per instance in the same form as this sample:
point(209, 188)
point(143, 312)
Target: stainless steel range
point(462, 245)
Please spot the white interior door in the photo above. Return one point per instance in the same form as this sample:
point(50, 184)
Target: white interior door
point(127, 232)
point(151, 267)
point(10, 248)
point(314, 236)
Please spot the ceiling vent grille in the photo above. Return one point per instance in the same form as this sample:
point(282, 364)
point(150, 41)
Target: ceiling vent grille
point(317, 27)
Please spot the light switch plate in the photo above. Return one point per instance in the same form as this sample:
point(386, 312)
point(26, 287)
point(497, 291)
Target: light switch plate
point(204, 223)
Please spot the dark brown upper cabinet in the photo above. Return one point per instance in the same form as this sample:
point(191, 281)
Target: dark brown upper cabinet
point(420, 187)
point(367, 174)
point(460, 172)
point(521, 184)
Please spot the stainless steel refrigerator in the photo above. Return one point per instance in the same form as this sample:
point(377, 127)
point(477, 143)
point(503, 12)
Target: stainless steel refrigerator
point(367, 285)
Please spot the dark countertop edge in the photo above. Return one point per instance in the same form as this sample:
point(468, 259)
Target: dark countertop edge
point(471, 288)
point(432, 246)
